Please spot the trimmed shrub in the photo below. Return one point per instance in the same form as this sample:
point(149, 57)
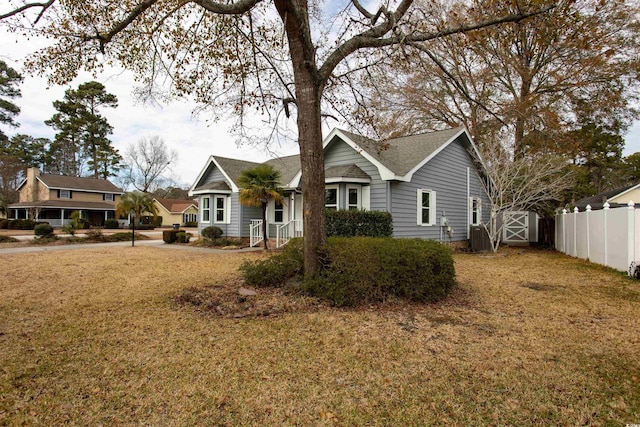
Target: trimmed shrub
point(95, 234)
point(21, 224)
point(351, 223)
point(211, 232)
point(43, 230)
point(7, 239)
point(169, 236)
point(111, 223)
point(365, 270)
point(275, 270)
point(124, 236)
point(183, 237)
point(4, 224)
point(190, 224)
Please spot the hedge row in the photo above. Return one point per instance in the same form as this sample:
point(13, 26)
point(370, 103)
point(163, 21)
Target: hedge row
point(364, 270)
point(351, 223)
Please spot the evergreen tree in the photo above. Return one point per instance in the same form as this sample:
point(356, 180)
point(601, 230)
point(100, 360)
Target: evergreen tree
point(9, 79)
point(82, 141)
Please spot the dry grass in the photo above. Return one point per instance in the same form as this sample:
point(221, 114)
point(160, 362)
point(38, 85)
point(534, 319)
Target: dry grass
point(96, 337)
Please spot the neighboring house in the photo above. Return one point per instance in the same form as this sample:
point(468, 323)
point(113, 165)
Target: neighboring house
point(176, 211)
point(53, 198)
point(429, 183)
point(618, 197)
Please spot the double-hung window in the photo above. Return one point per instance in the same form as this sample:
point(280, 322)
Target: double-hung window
point(220, 206)
point(108, 197)
point(331, 197)
point(476, 211)
point(278, 213)
point(426, 207)
point(64, 194)
point(206, 210)
point(353, 198)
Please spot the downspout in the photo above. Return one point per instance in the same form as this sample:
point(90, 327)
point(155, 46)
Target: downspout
point(468, 207)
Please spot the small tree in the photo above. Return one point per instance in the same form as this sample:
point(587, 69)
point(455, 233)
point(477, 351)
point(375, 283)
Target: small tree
point(260, 185)
point(147, 161)
point(525, 182)
point(137, 201)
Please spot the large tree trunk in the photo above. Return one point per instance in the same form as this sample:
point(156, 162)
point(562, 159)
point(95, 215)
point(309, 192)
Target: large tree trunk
point(308, 91)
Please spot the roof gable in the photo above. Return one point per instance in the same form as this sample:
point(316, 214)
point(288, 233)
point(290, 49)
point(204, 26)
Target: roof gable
point(400, 158)
point(597, 200)
point(176, 205)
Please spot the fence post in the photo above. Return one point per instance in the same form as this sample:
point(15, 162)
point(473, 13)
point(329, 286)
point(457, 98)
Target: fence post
point(564, 231)
point(605, 208)
point(631, 233)
point(588, 214)
point(575, 232)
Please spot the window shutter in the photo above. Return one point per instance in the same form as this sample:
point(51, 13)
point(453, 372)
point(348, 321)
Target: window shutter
point(432, 208)
point(470, 211)
point(104, 197)
point(58, 194)
point(366, 197)
point(419, 205)
point(70, 194)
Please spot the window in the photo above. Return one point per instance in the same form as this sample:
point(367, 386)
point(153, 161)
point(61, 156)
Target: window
point(278, 213)
point(476, 211)
point(426, 207)
point(191, 217)
point(331, 198)
point(220, 209)
point(108, 197)
point(206, 210)
point(353, 198)
point(64, 194)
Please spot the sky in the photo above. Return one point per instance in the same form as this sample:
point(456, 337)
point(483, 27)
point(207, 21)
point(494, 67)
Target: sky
point(194, 138)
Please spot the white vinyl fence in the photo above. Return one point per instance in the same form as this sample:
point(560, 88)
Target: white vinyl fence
point(609, 237)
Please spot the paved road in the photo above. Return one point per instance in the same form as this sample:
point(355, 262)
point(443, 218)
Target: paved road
point(154, 243)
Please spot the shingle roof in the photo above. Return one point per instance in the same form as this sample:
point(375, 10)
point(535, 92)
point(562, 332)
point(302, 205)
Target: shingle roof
point(597, 201)
point(77, 183)
point(401, 155)
point(288, 166)
point(345, 171)
point(176, 205)
point(234, 168)
point(213, 186)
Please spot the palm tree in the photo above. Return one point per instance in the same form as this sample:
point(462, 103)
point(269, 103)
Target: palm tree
point(259, 186)
point(137, 201)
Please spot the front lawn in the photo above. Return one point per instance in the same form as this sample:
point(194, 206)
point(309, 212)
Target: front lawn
point(112, 336)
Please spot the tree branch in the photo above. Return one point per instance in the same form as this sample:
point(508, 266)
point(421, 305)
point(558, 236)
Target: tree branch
point(16, 11)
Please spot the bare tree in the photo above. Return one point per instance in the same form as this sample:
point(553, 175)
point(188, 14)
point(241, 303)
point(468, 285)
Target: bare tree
point(519, 182)
point(147, 161)
point(247, 55)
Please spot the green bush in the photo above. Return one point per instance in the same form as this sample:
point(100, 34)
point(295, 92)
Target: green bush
point(7, 239)
point(43, 230)
point(211, 232)
point(21, 224)
point(190, 224)
point(111, 223)
point(183, 237)
point(169, 236)
point(351, 223)
point(124, 236)
point(4, 224)
point(275, 270)
point(364, 270)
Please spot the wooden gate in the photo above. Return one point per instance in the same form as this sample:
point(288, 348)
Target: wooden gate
point(516, 227)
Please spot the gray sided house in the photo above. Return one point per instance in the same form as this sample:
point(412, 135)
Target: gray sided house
point(428, 182)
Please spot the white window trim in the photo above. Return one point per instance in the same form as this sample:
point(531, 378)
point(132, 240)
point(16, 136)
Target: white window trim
point(432, 207)
point(205, 209)
point(479, 201)
point(358, 189)
point(337, 188)
point(67, 192)
point(225, 209)
point(272, 213)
